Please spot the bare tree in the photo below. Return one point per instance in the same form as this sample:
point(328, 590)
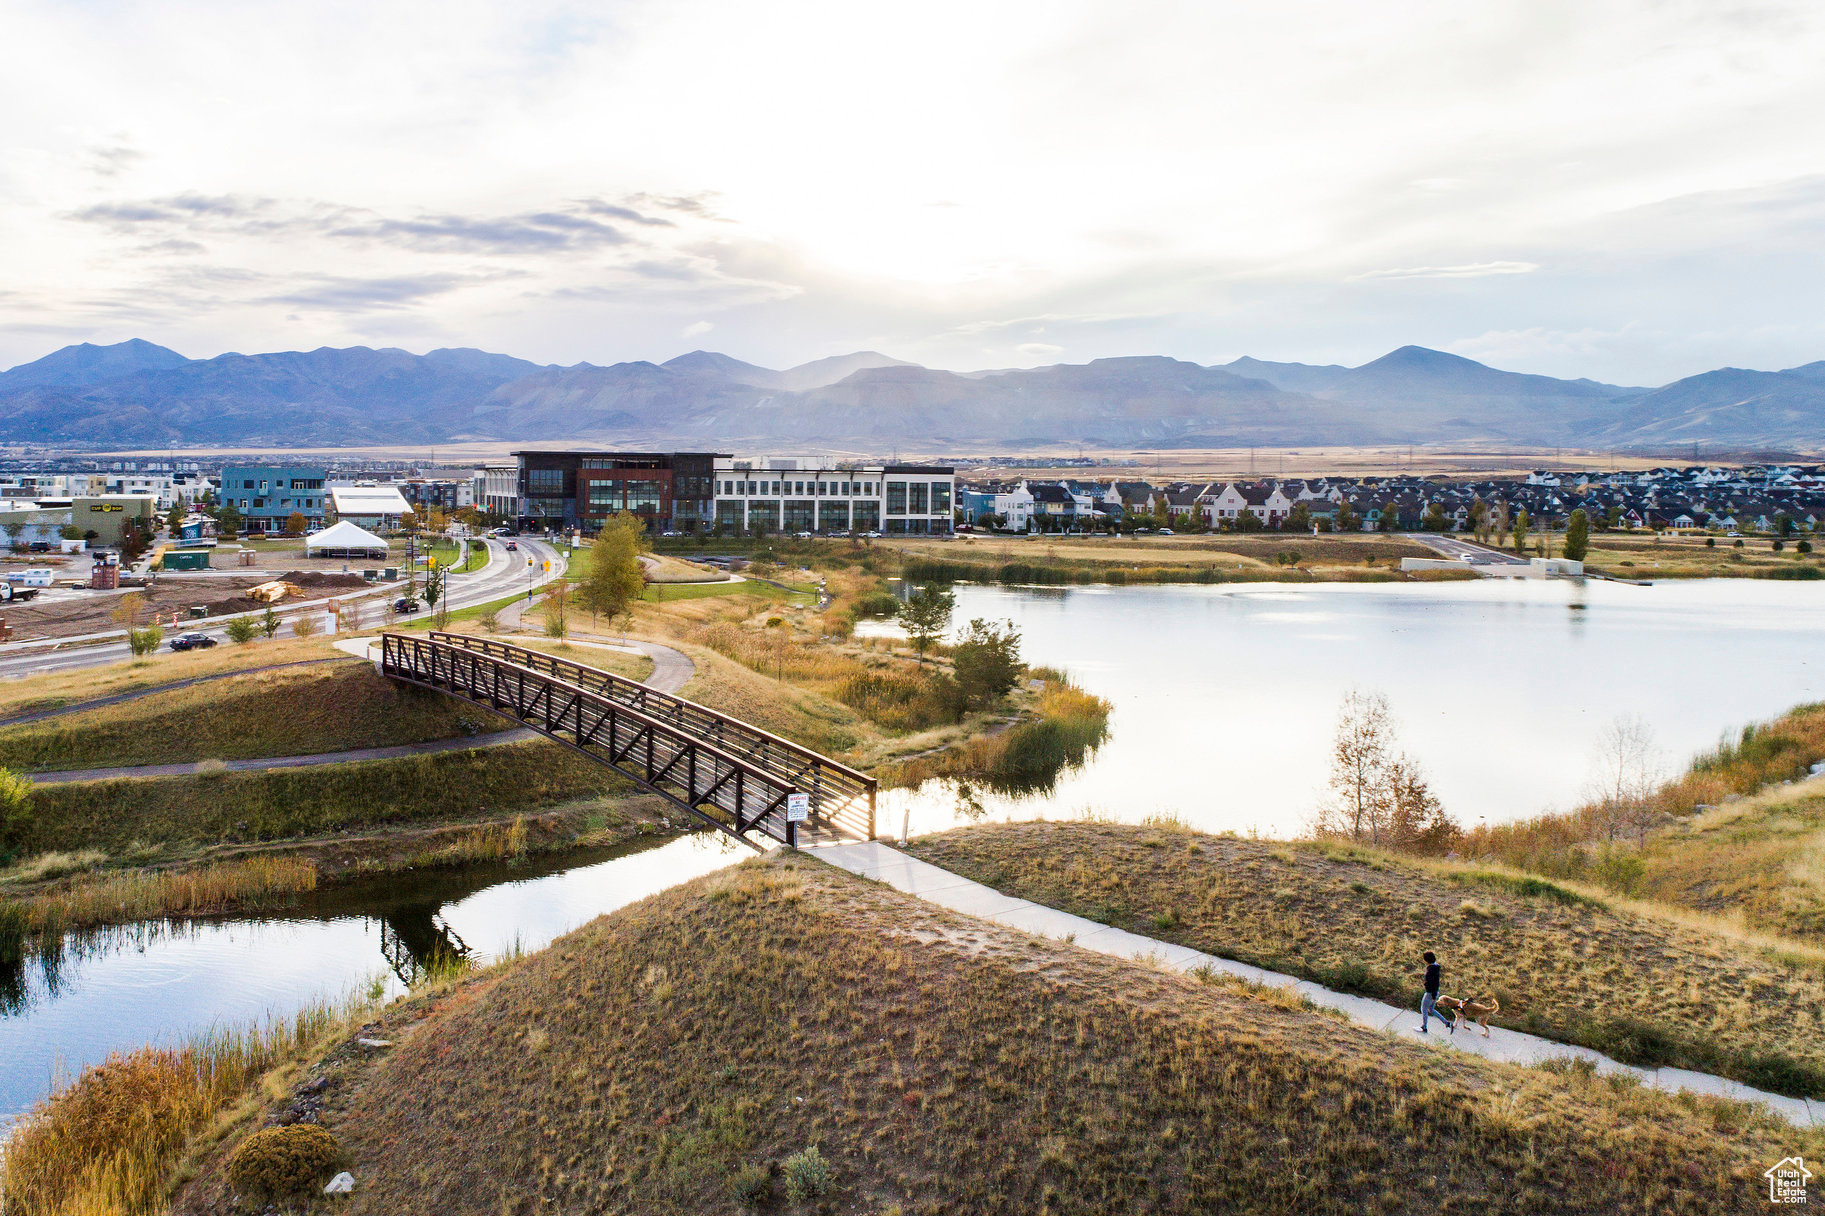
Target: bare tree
point(1626, 775)
point(1378, 793)
point(1360, 756)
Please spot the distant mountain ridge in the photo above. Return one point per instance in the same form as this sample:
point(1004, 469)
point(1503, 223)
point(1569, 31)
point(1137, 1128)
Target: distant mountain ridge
point(139, 394)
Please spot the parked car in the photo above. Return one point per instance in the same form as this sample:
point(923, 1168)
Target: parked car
point(39, 546)
point(1167, 532)
point(192, 641)
point(405, 603)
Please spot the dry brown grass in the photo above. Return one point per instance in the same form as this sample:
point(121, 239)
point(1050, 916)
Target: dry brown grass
point(1644, 988)
point(291, 712)
point(106, 1145)
point(1633, 555)
point(118, 898)
point(1756, 854)
point(660, 1056)
point(54, 689)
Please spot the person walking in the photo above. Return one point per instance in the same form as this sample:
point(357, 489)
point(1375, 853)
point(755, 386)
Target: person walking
point(1428, 1001)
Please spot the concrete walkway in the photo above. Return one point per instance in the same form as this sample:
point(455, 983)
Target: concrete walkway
point(462, 743)
point(672, 669)
point(78, 707)
point(872, 859)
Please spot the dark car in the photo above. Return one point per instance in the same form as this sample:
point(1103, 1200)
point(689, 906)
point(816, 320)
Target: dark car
point(513, 547)
point(192, 641)
point(39, 546)
point(405, 603)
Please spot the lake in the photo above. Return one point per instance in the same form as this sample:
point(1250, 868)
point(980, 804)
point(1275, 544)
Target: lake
point(1224, 699)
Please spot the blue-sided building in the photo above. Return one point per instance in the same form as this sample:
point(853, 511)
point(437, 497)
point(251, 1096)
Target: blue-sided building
point(267, 495)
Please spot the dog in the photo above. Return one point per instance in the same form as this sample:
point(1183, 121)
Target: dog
point(1478, 1009)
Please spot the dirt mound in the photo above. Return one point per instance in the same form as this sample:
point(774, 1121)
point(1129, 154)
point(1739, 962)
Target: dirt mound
point(685, 1053)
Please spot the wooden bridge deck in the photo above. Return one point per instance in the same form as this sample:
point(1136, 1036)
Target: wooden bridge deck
point(732, 774)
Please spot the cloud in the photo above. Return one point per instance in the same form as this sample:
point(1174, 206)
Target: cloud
point(333, 294)
point(113, 160)
point(538, 232)
point(696, 329)
point(1039, 348)
point(1472, 270)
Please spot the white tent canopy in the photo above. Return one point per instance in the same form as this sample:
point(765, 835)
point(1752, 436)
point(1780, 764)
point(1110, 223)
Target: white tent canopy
point(344, 540)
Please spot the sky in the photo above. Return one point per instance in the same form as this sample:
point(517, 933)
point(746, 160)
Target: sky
point(1631, 190)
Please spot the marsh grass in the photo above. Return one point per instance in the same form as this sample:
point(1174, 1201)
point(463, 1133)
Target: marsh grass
point(108, 1142)
point(144, 895)
point(1068, 724)
point(1734, 836)
point(660, 1059)
point(1605, 974)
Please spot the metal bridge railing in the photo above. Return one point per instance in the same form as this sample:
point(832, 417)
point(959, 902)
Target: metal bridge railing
point(735, 775)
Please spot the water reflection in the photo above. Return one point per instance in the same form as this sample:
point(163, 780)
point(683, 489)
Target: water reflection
point(116, 988)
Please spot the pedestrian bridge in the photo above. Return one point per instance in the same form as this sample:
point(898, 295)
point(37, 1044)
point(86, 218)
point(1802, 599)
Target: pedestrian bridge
point(735, 776)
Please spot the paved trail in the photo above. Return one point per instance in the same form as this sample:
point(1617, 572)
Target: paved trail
point(872, 859)
point(672, 669)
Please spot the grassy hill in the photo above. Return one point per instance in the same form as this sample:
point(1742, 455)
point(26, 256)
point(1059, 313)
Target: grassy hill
point(295, 711)
point(1605, 973)
point(677, 1055)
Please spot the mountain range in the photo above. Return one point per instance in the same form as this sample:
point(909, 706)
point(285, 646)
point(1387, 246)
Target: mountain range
point(139, 394)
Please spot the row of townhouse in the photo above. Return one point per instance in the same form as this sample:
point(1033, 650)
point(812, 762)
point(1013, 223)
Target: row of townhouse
point(1762, 498)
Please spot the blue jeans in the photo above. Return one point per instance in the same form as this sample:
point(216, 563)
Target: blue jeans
point(1427, 1011)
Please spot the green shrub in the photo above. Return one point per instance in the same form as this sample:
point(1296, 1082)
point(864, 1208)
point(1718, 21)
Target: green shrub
point(752, 1183)
point(241, 630)
point(876, 604)
point(280, 1161)
point(15, 811)
point(808, 1175)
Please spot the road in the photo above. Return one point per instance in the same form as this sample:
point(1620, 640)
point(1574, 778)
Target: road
point(1465, 551)
point(504, 574)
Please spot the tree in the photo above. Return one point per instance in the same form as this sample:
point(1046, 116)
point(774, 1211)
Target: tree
point(1378, 793)
point(436, 581)
point(15, 811)
point(925, 616)
point(556, 611)
point(408, 522)
point(70, 532)
point(1435, 519)
point(1346, 518)
point(269, 622)
point(130, 609)
point(1518, 531)
point(1248, 521)
point(174, 518)
point(616, 578)
point(145, 641)
point(241, 630)
point(1479, 519)
point(296, 524)
point(1299, 519)
point(1417, 822)
point(1390, 516)
point(1626, 773)
point(1783, 524)
point(986, 661)
point(227, 520)
point(1360, 755)
point(436, 520)
point(1498, 524)
point(1577, 535)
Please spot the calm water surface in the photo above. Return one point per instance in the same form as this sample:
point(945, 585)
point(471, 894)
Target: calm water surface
point(1225, 698)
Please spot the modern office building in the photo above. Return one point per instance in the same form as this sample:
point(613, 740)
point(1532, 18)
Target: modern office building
point(497, 489)
point(268, 495)
point(823, 496)
point(671, 491)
